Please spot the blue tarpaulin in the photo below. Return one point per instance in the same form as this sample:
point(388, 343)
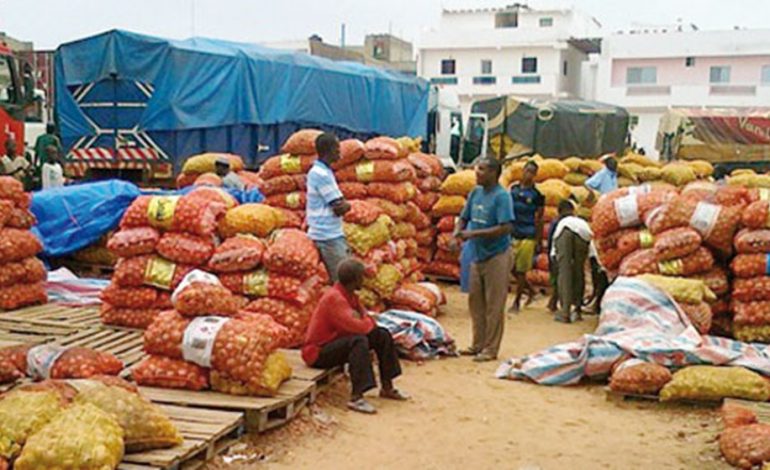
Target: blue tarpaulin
point(195, 95)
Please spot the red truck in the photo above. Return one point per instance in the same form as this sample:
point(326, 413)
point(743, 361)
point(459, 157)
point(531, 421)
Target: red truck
point(16, 90)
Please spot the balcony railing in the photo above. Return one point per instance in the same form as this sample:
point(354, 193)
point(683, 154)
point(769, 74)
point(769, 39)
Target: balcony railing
point(733, 90)
point(647, 90)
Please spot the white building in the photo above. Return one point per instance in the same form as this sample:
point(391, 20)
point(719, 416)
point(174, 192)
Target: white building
point(517, 50)
point(649, 70)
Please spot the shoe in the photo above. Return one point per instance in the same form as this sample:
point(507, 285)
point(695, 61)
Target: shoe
point(468, 352)
point(575, 316)
point(484, 357)
point(561, 319)
point(394, 394)
point(362, 406)
point(514, 309)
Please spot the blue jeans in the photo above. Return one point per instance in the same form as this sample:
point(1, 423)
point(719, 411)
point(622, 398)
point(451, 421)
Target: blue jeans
point(332, 253)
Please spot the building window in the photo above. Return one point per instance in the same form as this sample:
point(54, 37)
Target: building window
point(486, 67)
point(525, 79)
point(689, 61)
point(484, 80)
point(719, 74)
point(529, 65)
point(507, 20)
point(641, 76)
point(443, 80)
point(546, 22)
point(448, 67)
point(765, 75)
point(564, 68)
point(634, 121)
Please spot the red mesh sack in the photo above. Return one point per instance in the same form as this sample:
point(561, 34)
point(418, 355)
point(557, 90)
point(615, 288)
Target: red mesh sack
point(402, 230)
point(446, 241)
point(426, 201)
point(133, 242)
point(750, 265)
point(646, 262)
point(279, 184)
point(756, 215)
point(752, 241)
point(639, 377)
point(21, 295)
point(426, 165)
point(383, 171)
point(429, 184)
point(294, 200)
point(755, 313)
point(443, 269)
point(351, 151)
point(676, 243)
point(634, 239)
point(17, 244)
point(289, 218)
point(386, 148)
point(151, 271)
point(193, 215)
point(446, 224)
point(613, 213)
point(214, 195)
point(293, 253)
point(164, 372)
point(414, 297)
point(286, 165)
point(203, 298)
point(446, 256)
point(208, 179)
point(239, 253)
point(21, 218)
point(82, 363)
point(185, 179)
point(398, 193)
point(734, 416)
point(542, 262)
point(425, 237)
point(129, 297)
point(13, 190)
point(128, 317)
point(716, 280)
point(362, 213)
point(417, 217)
point(301, 142)
point(538, 277)
point(8, 374)
point(15, 356)
point(28, 271)
point(425, 254)
point(396, 212)
point(5, 211)
point(700, 315)
point(716, 224)
point(746, 446)
point(263, 284)
point(754, 288)
point(295, 318)
point(183, 248)
point(353, 190)
point(701, 191)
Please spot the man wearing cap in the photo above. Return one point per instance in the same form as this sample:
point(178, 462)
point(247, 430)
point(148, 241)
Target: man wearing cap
point(229, 179)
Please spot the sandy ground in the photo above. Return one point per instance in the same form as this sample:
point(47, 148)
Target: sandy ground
point(462, 417)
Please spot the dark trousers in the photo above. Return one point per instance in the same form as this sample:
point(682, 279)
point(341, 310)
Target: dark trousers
point(571, 254)
point(354, 350)
point(600, 281)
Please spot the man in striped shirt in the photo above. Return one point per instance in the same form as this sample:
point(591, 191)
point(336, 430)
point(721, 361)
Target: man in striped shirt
point(326, 205)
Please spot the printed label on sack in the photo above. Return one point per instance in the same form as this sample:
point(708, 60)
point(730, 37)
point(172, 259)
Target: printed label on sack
point(365, 171)
point(292, 200)
point(674, 267)
point(764, 194)
point(160, 212)
point(40, 360)
point(291, 164)
point(199, 337)
point(641, 189)
point(704, 218)
point(627, 211)
point(255, 283)
point(195, 275)
point(159, 273)
point(646, 239)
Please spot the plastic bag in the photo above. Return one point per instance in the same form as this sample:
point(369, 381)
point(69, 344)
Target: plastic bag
point(353, 190)
point(747, 266)
point(183, 248)
point(206, 163)
point(27, 271)
point(239, 253)
point(21, 295)
point(676, 243)
point(398, 193)
point(17, 244)
point(383, 171)
point(646, 262)
point(261, 283)
point(700, 316)
point(362, 213)
point(128, 317)
point(363, 239)
point(754, 288)
point(254, 219)
point(293, 253)
point(678, 174)
point(133, 241)
point(426, 201)
point(749, 241)
point(301, 142)
point(385, 282)
point(683, 291)
point(294, 200)
point(449, 205)
point(83, 436)
point(150, 271)
point(716, 383)
point(639, 377)
point(295, 318)
point(286, 165)
point(164, 372)
point(753, 313)
point(426, 165)
point(397, 212)
point(351, 151)
point(440, 268)
point(459, 184)
point(616, 211)
point(386, 148)
point(716, 224)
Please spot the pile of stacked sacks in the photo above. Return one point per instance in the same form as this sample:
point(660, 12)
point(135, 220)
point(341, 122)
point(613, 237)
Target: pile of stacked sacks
point(748, 178)
point(208, 341)
point(200, 170)
point(161, 239)
point(430, 174)
point(22, 275)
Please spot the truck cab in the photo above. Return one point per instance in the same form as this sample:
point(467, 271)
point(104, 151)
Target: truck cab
point(15, 94)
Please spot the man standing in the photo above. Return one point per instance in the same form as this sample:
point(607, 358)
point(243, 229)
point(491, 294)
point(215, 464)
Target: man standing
point(528, 206)
point(229, 179)
point(341, 332)
point(12, 164)
point(485, 223)
point(43, 142)
point(571, 239)
point(52, 174)
point(605, 180)
point(326, 205)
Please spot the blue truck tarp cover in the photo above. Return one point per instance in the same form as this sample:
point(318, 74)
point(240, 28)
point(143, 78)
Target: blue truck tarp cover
point(197, 95)
point(72, 217)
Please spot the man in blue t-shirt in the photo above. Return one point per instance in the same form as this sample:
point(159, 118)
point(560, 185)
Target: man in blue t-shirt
point(485, 224)
point(605, 180)
point(528, 206)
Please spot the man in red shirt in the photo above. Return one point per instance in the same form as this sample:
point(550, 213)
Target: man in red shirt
point(342, 332)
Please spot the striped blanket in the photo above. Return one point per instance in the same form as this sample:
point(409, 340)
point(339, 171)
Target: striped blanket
point(417, 336)
point(637, 320)
point(64, 288)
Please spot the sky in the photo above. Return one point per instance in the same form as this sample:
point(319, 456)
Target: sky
point(49, 23)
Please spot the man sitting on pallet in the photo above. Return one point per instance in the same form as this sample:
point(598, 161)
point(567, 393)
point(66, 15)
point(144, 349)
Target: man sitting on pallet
point(342, 332)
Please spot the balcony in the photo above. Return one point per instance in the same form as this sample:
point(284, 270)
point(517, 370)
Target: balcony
point(443, 81)
point(525, 79)
point(648, 90)
point(733, 90)
point(485, 80)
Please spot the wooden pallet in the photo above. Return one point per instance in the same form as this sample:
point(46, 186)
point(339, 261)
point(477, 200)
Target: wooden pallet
point(87, 269)
point(322, 378)
point(14, 332)
point(126, 345)
point(439, 278)
point(261, 414)
point(206, 433)
point(57, 315)
point(618, 397)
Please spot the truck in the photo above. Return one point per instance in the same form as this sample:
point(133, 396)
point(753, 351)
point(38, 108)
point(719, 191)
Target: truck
point(729, 137)
point(509, 127)
point(135, 106)
point(16, 95)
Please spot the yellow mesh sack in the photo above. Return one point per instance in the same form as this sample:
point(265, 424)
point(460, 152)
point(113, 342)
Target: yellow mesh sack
point(512, 173)
point(641, 160)
point(23, 413)
point(702, 168)
point(385, 282)
point(650, 173)
point(688, 291)
point(715, 383)
point(573, 164)
point(81, 437)
point(554, 191)
point(678, 174)
point(363, 239)
point(275, 372)
point(206, 163)
point(254, 219)
point(575, 179)
point(589, 167)
point(580, 193)
point(743, 171)
point(624, 182)
point(550, 168)
point(459, 184)
point(752, 333)
point(448, 205)
point(630, 171)
point(368, 297)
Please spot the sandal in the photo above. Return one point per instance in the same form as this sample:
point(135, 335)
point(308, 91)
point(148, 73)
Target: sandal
point(394, 394)
point(468, 352)
point(362, 406)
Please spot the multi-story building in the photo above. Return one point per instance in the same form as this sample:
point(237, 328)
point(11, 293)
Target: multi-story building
point(649, 70)
point(515, 50)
